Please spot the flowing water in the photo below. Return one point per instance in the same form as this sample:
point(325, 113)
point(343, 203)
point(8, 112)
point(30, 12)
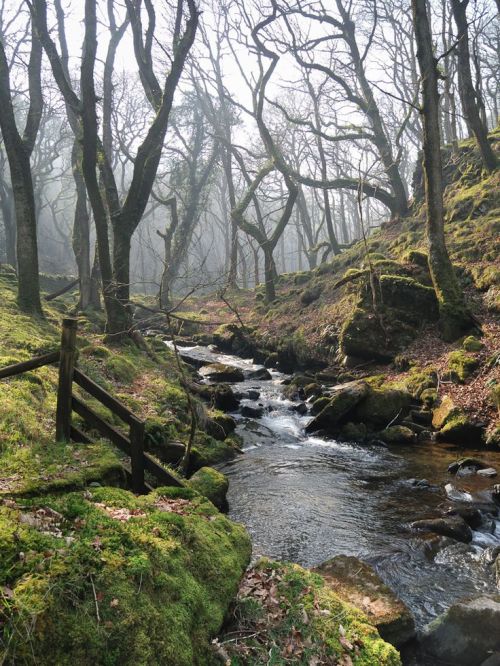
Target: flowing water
point(305, 499)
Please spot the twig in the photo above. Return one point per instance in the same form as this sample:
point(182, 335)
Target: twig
point(95, 600)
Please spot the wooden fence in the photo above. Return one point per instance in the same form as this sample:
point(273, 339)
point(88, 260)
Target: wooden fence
point(67, 403)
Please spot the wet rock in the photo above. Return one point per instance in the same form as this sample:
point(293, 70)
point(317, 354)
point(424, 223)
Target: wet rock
point(271, 361)
point(466, 634)
point(345, 398)
point(398, 434)
point(220, 396)
point(415, 427)
point(381, 406)
point(426, 436)
point(319, 404)
point(487, 472)
point(495, 493)
point(422, 416)
point(357, 582)
point(252, 394)
point(472, 463)
point(260, 374)
point(472, 516)
point(454, 527)
point(312, 390)
point(252, 412)
point(354, 432)
point(301, 408)
point(220, 372)
point(220, 426)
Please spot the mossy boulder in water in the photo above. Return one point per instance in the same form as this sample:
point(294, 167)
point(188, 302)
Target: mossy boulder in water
point(213, 485)
point(356, 582)
point(398, 434)
point(221, 372)
point(343, 401)
point(455, 426)
point(466, 634)
point(381, 406)
point(287, 614)
point(110, 578)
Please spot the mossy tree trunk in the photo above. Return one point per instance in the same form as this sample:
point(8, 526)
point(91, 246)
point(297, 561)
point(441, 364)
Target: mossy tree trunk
point(454, 317)
point(468, 94)
point(19, 149)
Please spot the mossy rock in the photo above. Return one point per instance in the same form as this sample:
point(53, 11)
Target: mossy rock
point(308, 296)
point(398, 434)
point(221, 372)
point(213, 485)
point(472, 344)
point(357, 583)
point(354, 432)
point(341, 404)
point(319, 404)
point(416, 257)
point(493, 439)
point(362, 337)
point(327, 629)
point(220, 425)
point(381, 406)
point(460, 429)
point(110, 578)
point(301, 278)
point(461, 365)
point(405, 294)
point(421, 379)
point(429, 397)
point(121, 369)
point(391, 267)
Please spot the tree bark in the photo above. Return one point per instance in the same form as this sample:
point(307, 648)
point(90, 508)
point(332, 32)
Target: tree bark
point(468, 93)
point(454, 317)
point(18, 151)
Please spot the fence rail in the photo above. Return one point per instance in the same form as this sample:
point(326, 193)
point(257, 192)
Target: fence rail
point(67, 403)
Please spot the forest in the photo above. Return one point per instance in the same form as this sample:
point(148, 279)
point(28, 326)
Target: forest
point(249, 332)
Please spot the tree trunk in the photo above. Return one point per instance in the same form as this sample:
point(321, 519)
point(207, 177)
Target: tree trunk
point(468, 94)
point(269, 273)
point(81, 231)
point(454, 318)
point(9, 224)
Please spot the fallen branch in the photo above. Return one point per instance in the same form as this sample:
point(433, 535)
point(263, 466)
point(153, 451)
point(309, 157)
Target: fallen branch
point(63, 290)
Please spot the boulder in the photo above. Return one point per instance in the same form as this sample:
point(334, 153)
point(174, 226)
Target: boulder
point(259, 374)
point(443, 411)
point(220, 426)
point(252, 412)
point(319, 404)
point(454, 527)
point(471, 515)
point(301, 408)
point(422, 416)
point(312, 390)
point(381, 406)
point(489, 472)
point(354, 432)
point(213, 485)
point(220, 372)
point(356, 582)
point(454, 425)
point(466, 634)
point(398, 434)
point(344, 400)
point(472, 344)
point(461, 365)
point(456, 466)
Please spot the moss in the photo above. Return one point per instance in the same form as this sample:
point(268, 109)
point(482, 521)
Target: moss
point(416, 257)
point(95, 351)
point(398, 434)
point(461, 365)
point(301, 278)
point(472, 344)
point(420, 379)
point(305, 622)
point(110, 578)
point(429, 396)
point(121, 369)
point(212, 484)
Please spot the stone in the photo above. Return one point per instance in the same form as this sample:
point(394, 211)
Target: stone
point(472, 344)
point(344, 399)
point(487, 472)
point(454, 527)
point(422, 416)
point(443, 411)
point(471, 515)
point(213, 485)
point(252, 412)
point(461, 365)
point(319, 404)
point(301, 408)
point(312, 390)
point(456, 466)
point(466, 634)
point(398, 434)
point(357, 582)
point(381, 406)
point(220, 426)
point(354, 432)
point(260, 374)
point(221, 372)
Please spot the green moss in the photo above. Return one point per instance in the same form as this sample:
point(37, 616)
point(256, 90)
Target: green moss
point(382, 405)
point(429, 396)
point(121, 369)
point(461, 365)
point(420, 379)
point(301, 278)
point(472, 344)
point(110, 578)
point(305, 622)
point(212, 484)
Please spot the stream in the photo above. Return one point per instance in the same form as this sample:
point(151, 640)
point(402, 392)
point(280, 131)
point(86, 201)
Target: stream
point(306, 499)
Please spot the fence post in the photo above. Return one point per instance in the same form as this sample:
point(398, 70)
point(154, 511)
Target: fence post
point(137, 455)
point(64, 389)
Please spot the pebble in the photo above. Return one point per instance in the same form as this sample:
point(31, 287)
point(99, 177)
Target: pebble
point(488, 471)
